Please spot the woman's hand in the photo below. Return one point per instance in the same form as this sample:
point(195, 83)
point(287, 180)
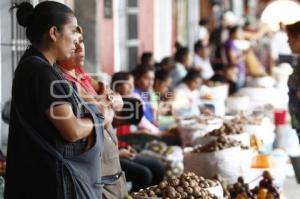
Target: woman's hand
point(125, 153)
point(111, 99)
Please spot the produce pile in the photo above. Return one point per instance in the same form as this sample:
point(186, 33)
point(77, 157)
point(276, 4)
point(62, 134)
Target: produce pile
point(248, 120)
point(219, 144)
point(188, 185)
point(228, 128)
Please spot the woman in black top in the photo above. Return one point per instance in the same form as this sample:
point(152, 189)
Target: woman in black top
point(40, 97)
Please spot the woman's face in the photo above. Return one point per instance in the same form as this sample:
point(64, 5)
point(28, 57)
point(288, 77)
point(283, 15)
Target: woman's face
point(77, 58)
point(162, 87)
point(294, 42)
point(79, 55)
point(238, 34)
point(188, 60)
point(126, 87)
point(195, 84)
point(65, 43)
point(146, 81)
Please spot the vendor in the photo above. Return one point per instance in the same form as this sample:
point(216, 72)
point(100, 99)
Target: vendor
point(187, 96)
point(73, 71)
point(44, 155)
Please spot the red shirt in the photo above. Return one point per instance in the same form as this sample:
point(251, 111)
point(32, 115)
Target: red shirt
point(83, 81)
point(123, 130)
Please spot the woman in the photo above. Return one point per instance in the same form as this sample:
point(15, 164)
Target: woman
point(235, 56)
point(189, 88)
point(123, 83)
point(183, 62)
point(73, 71)
point(48, 154)
point(144, 79)
point(293, 32)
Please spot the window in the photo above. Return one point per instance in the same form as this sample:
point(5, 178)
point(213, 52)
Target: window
point(127, 45)
point(132, 3)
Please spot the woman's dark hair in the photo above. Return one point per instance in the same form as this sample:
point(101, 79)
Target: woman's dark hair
point(38, 20)
point(293, 29)
point(166, 61)
point(203, 22)
point(139, 71)
point(181, 54)
point(192, 75)
point(162, 75)
point(198, 45)
point(146, 58)
point(232, 30)
point(118, 78)
point(177, 45)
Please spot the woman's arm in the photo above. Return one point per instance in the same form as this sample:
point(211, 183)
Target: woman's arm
point(105, 92)
point(98, 86)
point(70, 127)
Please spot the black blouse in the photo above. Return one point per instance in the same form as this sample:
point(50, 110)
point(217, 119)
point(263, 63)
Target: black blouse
point(31, 171)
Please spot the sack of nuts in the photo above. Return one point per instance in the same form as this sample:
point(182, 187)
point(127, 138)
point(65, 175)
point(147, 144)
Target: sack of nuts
point(188, 185)
point(231, 130)
point(222, 156)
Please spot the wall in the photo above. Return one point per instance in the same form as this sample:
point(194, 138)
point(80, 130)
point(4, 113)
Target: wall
point(146, 25)
point(106, 42)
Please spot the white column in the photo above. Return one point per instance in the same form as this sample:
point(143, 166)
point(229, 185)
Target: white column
point(162, 29)
point(238, 7)
point(193, 18)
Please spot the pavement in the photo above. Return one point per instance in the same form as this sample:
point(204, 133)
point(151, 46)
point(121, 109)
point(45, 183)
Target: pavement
point(291, 189)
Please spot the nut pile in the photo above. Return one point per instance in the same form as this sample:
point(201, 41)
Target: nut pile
point(188, 185)
point(228, 128)
point(217, 145)
point(248, 120)
point(159, 148)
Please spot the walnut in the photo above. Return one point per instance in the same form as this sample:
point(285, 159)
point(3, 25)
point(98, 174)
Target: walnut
point(184, 195)
point(185, 184)
point(174, 182)
point(189, 190)
point(163, 184)
point(180, 189)
point(192, 183)
point(157, 191)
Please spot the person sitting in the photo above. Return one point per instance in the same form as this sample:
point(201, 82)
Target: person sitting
point(201, 60)
point(229, 76)
point(189, 88)
point(143, 82)
point(147, 59)
point(182, 64)
point(166, 64)
point(135, 165)
point(123, 83)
